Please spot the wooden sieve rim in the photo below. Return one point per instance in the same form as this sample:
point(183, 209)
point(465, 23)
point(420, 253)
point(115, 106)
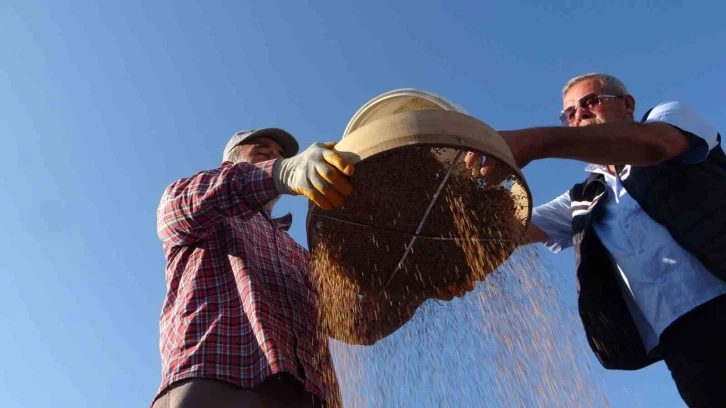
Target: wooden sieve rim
point(426, 127)
point(430, 127)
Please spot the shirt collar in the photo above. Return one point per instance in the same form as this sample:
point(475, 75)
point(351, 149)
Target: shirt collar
point(602, 169)
point(283, 222)
point(597, 168)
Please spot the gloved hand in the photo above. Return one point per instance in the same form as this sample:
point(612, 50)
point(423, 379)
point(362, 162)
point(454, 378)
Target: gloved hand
point(318, 173)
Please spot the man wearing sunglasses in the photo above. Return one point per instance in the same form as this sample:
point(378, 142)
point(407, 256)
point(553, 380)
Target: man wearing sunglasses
point(648, 228)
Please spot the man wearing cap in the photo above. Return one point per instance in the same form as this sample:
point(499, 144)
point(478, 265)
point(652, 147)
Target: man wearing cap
point(238, 326)
point(648, 229)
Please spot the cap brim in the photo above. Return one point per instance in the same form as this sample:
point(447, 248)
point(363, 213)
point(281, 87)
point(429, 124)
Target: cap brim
point(287, 141)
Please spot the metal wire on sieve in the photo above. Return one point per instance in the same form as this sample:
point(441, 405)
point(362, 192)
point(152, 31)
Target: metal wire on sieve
point(425, 216)
point(439, 238)
point(455, 155)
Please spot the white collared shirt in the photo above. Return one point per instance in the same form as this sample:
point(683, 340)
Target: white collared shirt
point(661, 281)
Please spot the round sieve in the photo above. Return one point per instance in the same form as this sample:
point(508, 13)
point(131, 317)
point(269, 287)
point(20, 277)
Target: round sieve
point(417, 220)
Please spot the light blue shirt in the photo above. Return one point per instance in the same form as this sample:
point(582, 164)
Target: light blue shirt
point(660, 280)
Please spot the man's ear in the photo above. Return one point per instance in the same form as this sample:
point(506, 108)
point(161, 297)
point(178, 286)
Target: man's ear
point(629, 104)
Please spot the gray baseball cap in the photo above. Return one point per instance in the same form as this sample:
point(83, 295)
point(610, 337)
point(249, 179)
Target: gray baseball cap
point(287, 141)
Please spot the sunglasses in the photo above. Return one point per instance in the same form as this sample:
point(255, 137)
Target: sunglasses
point(586, 102)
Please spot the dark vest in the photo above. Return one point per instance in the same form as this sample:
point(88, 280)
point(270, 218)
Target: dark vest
point(689, 200)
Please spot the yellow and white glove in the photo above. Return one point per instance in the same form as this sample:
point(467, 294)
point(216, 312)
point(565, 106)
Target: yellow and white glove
point(319, 173)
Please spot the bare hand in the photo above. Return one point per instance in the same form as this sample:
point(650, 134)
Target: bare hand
point(493, 171)
point(452, 290)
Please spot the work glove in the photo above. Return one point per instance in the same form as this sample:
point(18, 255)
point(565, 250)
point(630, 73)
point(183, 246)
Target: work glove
point(319, 173)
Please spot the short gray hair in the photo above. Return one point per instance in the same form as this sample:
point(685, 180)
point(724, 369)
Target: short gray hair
point(232, 154)
point(608, 82)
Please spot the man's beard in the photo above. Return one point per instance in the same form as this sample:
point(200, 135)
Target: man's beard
point(593, 121)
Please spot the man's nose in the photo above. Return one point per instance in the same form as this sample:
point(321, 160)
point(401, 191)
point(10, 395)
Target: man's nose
point(582, 114)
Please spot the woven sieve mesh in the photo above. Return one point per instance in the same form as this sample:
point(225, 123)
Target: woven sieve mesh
point(414, 207)
point(417, 220)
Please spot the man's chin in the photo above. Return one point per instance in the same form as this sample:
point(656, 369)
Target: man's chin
point(592, 122)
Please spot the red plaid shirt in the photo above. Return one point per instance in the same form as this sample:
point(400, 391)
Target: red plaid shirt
point(239, 304)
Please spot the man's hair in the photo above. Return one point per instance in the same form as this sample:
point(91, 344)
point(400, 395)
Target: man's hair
point(608, 82)
point(232, 154)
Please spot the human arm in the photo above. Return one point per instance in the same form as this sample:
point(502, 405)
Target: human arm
point(551, 224)
point(191, 208)
point(637, 144)
point(535, 235)
point(319, 173)
point(671, 131)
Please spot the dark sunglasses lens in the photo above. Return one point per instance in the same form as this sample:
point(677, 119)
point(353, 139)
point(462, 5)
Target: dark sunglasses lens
point(567, 115)
point(590, 101)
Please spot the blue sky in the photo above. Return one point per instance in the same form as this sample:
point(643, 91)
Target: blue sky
point(102, 104)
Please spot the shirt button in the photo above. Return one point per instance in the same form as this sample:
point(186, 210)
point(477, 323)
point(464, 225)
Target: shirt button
point(662, 279)
point(627, 225)
point(641, 250)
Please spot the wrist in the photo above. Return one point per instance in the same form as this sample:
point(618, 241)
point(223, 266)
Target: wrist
point(543, 142)
point(279, 173)
point(525, 145)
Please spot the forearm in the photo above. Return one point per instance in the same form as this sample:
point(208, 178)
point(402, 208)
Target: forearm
point(534, 235)
point(192, 207)
point(610, 143)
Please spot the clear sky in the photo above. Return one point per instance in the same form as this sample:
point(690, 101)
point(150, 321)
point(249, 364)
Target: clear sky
point(102, 104)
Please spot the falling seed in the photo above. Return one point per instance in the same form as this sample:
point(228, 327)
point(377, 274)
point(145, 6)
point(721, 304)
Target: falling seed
point(509, 343)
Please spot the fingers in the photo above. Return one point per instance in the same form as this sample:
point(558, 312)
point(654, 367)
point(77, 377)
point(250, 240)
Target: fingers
point(334, 178)
point(460, 290)
point(494, 173)
point(443, 294)
point(317, 198)
point(331, 184)
point(339, 162)
point(324, 188)
point(452, 290)
point(472, 160)
point(326, 174)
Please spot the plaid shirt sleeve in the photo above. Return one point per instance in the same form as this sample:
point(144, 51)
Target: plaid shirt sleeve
point(190, 208)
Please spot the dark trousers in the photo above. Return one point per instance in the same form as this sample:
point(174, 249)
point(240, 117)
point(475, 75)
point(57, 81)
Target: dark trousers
point(694, 349)
point(279, 391)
